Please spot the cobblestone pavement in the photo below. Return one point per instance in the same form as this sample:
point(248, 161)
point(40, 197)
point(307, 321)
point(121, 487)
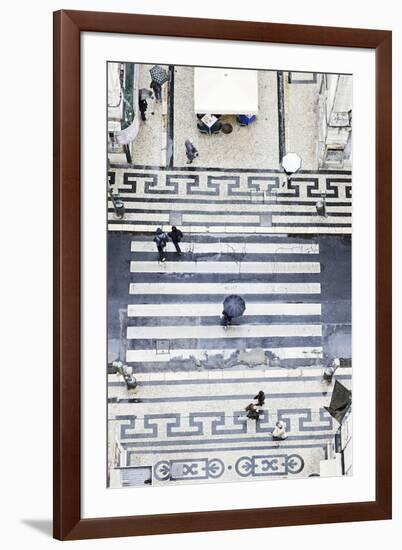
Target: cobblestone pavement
point(192, 426)
point(232, 201)
point(150, 143)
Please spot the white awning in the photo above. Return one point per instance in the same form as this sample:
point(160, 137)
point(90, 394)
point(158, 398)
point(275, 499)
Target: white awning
point(225, 91)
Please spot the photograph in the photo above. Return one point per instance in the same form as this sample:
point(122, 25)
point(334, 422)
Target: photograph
point(229, 274)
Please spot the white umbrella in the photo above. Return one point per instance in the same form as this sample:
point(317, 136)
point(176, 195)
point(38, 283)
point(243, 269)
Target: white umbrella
point(291, 162)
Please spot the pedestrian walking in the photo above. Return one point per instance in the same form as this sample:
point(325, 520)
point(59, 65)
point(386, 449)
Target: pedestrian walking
point(260, 398)
point(279, 432)
point(143, 106)
point(157, 88)
point(233, 306)
point(330, 369)
point(321, 206)
point(226, 319)
point(252, 412)
point(191, 151)
point(127, 373)
point(176, 235)
point(161, 239)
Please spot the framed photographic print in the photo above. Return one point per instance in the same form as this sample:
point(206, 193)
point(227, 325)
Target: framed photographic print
point(222, 229)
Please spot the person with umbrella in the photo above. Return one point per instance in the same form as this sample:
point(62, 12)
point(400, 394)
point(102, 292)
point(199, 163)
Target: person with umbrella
point(233, 306)
point(159, 76)
point(157, 89)
point(291, 163)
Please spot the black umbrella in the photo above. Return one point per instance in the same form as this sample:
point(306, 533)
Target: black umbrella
point(234, 305)
point(340, 402)
point(159, 74)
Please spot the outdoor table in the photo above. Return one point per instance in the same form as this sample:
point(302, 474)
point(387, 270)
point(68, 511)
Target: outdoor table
point(209, 120)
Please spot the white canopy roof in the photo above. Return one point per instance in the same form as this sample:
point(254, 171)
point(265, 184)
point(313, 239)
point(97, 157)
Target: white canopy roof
point(225, 91)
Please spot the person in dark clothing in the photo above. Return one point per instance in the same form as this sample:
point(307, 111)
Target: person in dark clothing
point(253, 412)
point(176, 235)
point(191, 151)
point(143, 105)
point(226, 319)
point(260, 398)
point(157, 88)
point(161, 239)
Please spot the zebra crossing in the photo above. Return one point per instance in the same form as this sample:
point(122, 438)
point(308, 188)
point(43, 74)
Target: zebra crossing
point(173, 310)
point(185, 421)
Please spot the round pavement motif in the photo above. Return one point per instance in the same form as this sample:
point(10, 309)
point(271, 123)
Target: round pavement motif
point(295, 464)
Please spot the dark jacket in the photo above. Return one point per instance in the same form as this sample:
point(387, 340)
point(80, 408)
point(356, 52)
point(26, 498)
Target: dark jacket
point(176, 235)
point(260, 397)
point(143, 105)
point(156, 87)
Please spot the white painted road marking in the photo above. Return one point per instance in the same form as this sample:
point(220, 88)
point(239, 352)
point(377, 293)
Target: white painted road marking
point(225, 288)
point(218, 331)
point(213, 310)
point(234, 247)
point(216, 230)
point(225, 267)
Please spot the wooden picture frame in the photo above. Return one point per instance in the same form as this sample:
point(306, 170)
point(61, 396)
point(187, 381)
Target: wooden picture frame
point(68, 26)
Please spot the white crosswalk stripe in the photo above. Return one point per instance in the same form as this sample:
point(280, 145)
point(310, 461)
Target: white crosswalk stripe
point(211, 331)
point(319, 220)
point(224, 288)
point(225, 267)
point(223, 247)
point(232, 229)
point(212, 310)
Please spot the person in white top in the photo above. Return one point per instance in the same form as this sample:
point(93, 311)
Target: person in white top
point(279, 431)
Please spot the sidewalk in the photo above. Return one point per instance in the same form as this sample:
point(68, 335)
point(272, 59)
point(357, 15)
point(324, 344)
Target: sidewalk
point(150, 143)
point(255, 146)
point(302, 117)
point(188, 422)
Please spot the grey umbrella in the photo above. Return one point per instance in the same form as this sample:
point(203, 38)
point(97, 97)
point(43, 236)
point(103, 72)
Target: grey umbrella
point(234, 305)
point(159, 74)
